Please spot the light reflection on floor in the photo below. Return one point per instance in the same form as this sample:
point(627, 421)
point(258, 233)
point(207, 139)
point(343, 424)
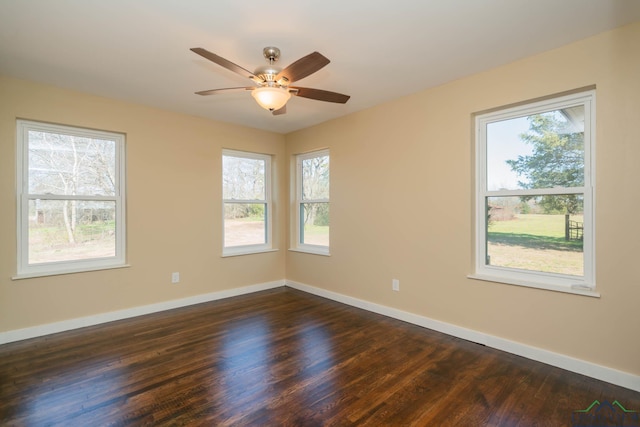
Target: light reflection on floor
point(248, 381)
point(70, 391)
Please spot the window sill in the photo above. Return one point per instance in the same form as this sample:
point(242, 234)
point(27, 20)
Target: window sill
point(312, 251)
point(68, 271)
point(576, 290)
point(247, 252)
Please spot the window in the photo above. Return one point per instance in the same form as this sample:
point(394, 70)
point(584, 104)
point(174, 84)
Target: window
point(246, 193)
point(312, 202)
point(534, 209)
point(71, 185)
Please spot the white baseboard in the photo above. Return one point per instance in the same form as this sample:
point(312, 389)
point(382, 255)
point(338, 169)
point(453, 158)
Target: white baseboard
point(81, 322)
point(613, 376)
point(623, 379)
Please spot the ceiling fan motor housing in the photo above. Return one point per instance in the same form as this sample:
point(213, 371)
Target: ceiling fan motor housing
point(267, 73)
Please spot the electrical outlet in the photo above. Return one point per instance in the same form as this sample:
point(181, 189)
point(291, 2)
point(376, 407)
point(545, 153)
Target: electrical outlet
point(175, 277)
point(395, 285)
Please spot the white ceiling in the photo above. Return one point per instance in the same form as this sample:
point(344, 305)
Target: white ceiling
point(138, 50)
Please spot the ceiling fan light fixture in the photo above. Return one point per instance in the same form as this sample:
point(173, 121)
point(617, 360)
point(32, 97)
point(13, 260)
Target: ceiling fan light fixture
point(271, 98)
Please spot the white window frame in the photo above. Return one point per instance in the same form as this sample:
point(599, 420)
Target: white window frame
point(26, 270)
point(297, 245)
point(584, 285)
point(268, 245)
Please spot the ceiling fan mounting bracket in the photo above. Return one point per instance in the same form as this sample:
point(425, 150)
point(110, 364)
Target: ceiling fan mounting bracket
point(271, 54)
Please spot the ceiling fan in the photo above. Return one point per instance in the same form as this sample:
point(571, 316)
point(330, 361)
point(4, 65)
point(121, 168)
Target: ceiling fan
point(272, 90)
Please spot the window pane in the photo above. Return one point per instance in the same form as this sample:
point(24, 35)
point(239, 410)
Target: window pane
point(243, 178)
point(69, 230)
point(245, 224)
point(71, 165)
point(315, 178)
point(537, 151)
point(536, 233)
point(314, 228)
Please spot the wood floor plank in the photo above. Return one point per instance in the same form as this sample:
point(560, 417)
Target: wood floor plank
point(282, 357)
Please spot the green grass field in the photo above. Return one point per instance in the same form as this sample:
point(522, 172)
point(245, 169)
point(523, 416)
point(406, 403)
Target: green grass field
point(316, 234)
point(535, 242)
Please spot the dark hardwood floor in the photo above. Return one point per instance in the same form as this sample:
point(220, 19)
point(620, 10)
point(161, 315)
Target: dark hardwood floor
point(286, 358)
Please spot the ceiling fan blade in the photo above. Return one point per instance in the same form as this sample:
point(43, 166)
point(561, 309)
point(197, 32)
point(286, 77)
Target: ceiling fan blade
point(320, 95)
point(226, 89)
point(224, 63)
point(282, 110)
point(303, 67)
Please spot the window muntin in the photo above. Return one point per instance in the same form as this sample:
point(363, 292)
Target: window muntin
point(70, 199)
point(246, 192)
point(535, 195)
point(312, 201)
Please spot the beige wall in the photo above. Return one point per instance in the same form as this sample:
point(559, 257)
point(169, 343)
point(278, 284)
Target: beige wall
point(173, 212)
point(401, 205)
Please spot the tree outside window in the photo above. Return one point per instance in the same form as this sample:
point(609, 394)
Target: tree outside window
point(535, 195)
point(313, 207)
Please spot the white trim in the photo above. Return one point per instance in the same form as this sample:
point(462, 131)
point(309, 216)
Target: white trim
point(536, 192)
point(603, 373)
point(81, 322)
point(68, 271)
point(246, 250)
point(577, 289)
point(312, 249)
